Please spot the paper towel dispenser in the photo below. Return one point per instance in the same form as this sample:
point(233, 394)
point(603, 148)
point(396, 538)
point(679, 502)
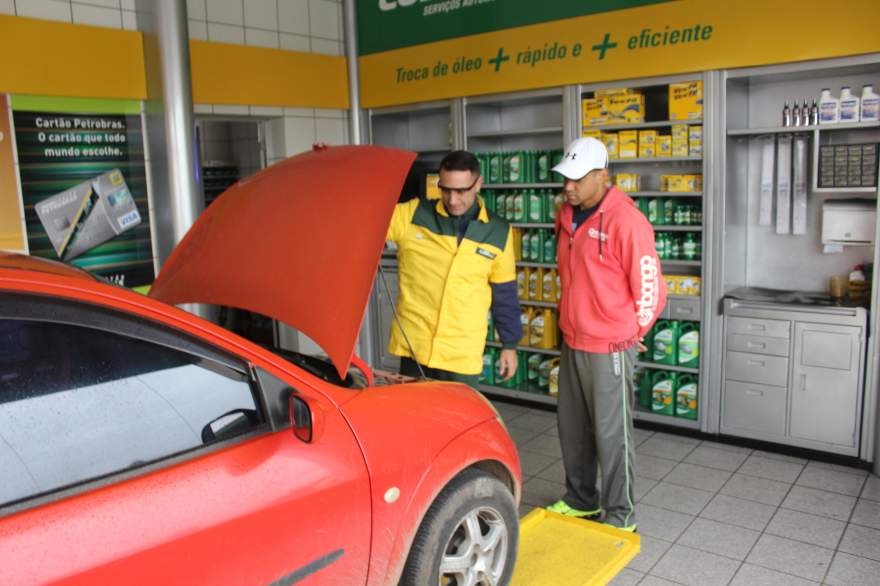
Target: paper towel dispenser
point(849, 222)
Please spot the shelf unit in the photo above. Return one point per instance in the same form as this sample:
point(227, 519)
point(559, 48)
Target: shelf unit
point(654, 160)
point(522, 186)
point(643, 125)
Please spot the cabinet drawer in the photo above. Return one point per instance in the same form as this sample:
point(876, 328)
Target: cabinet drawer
point(771, 328)
point(752, 407)
point(684, 309)
point(758, 344)
point(756, 368)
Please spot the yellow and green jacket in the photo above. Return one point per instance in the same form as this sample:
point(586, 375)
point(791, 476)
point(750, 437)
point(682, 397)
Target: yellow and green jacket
point(446, 287)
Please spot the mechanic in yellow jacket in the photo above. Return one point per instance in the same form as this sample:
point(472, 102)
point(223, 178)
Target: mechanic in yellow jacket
point(456, 261)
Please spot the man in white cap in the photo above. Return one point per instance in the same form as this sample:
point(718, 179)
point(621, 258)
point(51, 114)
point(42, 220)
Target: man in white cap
point(612, 293)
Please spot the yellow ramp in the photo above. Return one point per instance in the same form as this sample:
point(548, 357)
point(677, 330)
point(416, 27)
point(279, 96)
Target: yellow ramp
point(555, 550)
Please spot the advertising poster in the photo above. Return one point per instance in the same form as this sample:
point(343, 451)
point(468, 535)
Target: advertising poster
point(83, 183)
point(11, 236)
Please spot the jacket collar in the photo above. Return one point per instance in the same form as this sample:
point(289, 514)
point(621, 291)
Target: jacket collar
point(482, 215)
point(613, 198)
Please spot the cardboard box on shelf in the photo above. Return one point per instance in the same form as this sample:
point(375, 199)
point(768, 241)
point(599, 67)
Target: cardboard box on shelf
point(611, 144)
point(680, 148)
point(686, 100)
point(625, 108)
point(593, 111)
point(597, 134)
point(628, 182)
point(628, 144)
point(664, 146)
point(647, 143)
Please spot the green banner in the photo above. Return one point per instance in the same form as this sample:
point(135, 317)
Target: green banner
point(384, 25)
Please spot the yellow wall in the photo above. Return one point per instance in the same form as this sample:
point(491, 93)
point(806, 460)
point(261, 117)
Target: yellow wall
point(41, 57)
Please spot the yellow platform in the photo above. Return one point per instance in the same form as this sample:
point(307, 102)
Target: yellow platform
point(555, 550)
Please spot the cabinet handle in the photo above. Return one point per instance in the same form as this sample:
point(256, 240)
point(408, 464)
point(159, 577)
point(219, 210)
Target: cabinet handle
point(759, 327)
point(755, 393)
point(756, 345)
point(755, 362)
point(803, 382)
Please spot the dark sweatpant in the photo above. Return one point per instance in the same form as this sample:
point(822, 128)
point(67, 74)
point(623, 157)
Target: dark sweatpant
point(595, 430)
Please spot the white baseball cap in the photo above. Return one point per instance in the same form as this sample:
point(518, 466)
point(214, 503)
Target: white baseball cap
point(582, 156)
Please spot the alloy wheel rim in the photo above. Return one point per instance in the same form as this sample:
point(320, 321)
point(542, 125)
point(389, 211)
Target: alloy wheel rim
point(476, 553)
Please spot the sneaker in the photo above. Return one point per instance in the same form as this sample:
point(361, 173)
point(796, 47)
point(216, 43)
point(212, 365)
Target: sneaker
point(629, 528)
point(563, 509)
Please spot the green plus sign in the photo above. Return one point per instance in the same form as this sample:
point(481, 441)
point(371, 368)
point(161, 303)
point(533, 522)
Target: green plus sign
point(604, 46)
point(501, 58)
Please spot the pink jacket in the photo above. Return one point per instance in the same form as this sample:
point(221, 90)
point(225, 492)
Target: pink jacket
point(612, 287)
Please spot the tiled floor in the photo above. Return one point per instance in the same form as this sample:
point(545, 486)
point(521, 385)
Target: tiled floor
point(710, 513)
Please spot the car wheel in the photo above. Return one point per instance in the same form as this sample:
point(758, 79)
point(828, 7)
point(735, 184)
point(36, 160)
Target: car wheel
point(469, 536)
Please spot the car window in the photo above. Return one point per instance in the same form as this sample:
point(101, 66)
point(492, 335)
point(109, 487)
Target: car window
point(78, 403)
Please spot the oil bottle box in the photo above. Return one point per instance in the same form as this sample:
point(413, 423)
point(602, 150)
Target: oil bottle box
point(686, 100)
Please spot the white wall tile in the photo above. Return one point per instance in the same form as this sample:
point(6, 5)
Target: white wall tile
point(261, 14)
point(7, 7)
point(97, 16)
point(326, 47)
point(226, 11)
point(330, 131)
point(267, 111)
point(231, 110)
point(128, 5)
point(299, 134)
point(104, 3)
point(275, 149)
point(295, 43)
point(198, 29)
point(203, 109)
point(260, 38)
point(325, 113)
point(293, 16)
point(45, 9)
point(196, 9)
point(129, 20)
point(324, 19)
point(225, 33)
point(301, 112)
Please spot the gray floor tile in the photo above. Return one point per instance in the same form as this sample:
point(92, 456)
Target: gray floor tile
point(542, 493)
point(651, 551)
point(678, 438)
point(716, 458)
point(653, 467)
point(641, 435)
point(537, 421)
point(533, 463)
point(655, 581)
point(739, 512)
point(838, 468)
point(849, 570)
point(697, 477)
point(626, 577)
point(660, 523)
point(720, 538)
point(780, 457)
point(509, 411)
point(726, 447)
point(800, 526)
point(831, 480)
point(861, 541)
point(554, 473)
point(791, 557)
point(819, 502)
point(680, 499)
point(871, 489)
point(522, 435)
point(544, 444)
point(553, 432)
point(642, 487)
point(695, 568)
point(749, 575)
point(756, 489)
point(867, 513)
point(664, 447)
point(771, 469)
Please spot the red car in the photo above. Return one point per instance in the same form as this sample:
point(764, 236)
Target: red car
point(142, 444)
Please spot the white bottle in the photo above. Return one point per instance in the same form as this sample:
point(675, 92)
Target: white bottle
point(828, 107)
point(870, 104)
point(849, 105)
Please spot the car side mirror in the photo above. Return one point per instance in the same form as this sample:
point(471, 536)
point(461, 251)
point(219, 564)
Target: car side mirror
point(301, 419)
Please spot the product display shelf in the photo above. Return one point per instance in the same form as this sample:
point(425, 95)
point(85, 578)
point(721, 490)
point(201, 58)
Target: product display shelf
point(548, 351)
point(682, 297)
point(517, 394)
point(517, 132)
point(676, 228)
point(658, 160)
point(796, 129)
point(683, 263)
point(643, 125)
point(642, 414)
point(665, 194)
point(521, 185)
point(522, 263)
point(532, 224)
point(537, 303)
point(656, 366)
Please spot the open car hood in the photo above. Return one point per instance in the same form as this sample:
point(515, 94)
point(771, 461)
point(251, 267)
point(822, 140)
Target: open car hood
point(298, 242)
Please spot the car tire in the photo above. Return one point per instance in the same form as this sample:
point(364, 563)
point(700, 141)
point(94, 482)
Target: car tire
point(469, 536)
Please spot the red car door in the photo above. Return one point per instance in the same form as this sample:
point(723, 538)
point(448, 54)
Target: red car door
point(131, 455)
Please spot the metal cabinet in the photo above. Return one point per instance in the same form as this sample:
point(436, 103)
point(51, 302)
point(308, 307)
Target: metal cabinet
point(794, 374)
point(384, 300)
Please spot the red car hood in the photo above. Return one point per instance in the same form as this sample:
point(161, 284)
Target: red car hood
point(298, 242)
